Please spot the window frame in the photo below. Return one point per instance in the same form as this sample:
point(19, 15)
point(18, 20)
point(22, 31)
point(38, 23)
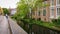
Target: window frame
point(52, 14)
point(58, 12)
point(58, 3)
point(44, 12)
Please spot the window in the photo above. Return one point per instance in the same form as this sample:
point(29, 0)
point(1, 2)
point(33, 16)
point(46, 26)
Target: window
point(44, 12)
point(58, 11)
point(38, 13)
point(58, 1)
point(33, 13)
point(52, 12)
point(52, 2)
point(44, 4)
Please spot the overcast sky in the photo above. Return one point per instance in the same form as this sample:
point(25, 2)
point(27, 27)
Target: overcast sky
point(8, 3)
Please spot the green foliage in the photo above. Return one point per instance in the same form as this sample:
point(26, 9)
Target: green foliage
point(56, 22)
point(6, 11)
point(40, 23)
point(23, 7)
point(22, 10)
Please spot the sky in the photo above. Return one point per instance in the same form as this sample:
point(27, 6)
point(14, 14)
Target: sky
point(8, 3)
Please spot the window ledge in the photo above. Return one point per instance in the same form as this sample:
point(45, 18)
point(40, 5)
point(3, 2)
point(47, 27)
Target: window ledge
point(52, 17)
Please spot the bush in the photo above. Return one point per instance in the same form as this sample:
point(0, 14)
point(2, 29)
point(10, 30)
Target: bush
point(6, 11)
point(56, 22)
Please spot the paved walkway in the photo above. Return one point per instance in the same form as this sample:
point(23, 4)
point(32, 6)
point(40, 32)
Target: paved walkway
point(9, 26)
point(4, 28)
point(15, 28)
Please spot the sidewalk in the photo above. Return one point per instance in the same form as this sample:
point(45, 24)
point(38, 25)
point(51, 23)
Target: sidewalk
point(4, 27)
point(16, 29)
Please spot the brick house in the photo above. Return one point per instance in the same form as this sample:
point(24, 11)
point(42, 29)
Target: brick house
point(49, 12)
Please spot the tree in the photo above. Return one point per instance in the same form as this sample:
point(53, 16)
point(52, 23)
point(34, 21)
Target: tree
point(5, 11)
point(25, 6)
point(1, 11)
